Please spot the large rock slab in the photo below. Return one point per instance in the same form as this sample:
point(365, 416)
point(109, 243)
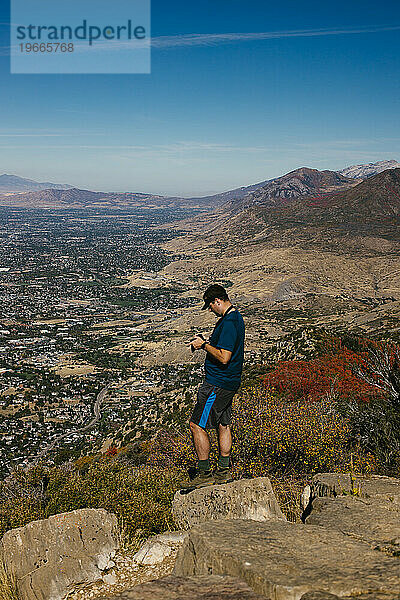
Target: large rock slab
point(251, 499)
point(208, 587)
point(373, 596)
point(51, 556)
point(363, 486)
point(286, 560)
point(372, 520)
point(319, 596)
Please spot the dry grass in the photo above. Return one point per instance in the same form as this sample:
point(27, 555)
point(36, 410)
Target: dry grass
point(288, 490)
point(8, 585)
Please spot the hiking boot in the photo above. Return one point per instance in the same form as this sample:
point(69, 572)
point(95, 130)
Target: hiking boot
point(222, 476)
point(202, 479)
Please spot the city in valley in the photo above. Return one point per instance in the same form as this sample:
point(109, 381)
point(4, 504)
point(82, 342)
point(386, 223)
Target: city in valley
point(100, 294)
point(72, 325)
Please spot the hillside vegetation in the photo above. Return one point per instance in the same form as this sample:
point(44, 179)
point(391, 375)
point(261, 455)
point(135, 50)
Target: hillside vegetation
point(334, 411)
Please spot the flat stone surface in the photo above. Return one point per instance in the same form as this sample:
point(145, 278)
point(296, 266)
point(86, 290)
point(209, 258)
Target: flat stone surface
point(372, 520)
point(50, 557)
point(158, 547)
point(367, 486)
point(285, 560)
point(319, 596)
point(252, 499)
point(208, 587)
point(373, 596)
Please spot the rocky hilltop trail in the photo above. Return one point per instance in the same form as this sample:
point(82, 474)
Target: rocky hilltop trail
point(232, 542)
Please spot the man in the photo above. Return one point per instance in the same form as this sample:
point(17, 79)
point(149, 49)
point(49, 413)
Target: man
point(223, 370)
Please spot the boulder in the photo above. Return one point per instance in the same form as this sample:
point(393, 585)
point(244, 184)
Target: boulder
point(286, 560)
point(372, 520)
point(363, 486)
point(158, 547)
point(52, 556)
point(204, 587)
point(251, 499)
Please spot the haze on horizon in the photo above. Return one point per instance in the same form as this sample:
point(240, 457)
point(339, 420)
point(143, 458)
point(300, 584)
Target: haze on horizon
point(237, 95)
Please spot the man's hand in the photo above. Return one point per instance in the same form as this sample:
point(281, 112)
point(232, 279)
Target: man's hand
point(223, 356)
point(197, 342)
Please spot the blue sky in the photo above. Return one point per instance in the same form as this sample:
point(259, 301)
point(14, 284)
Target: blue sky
point(239, 92)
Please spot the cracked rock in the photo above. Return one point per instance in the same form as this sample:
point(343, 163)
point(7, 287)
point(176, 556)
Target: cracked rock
point(50, 557)
point(286, 560)
point(375, 521)
point(158, 547)
point(251, 499)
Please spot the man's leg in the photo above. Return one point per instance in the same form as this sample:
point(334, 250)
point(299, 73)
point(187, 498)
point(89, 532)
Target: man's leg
point(224, 440)
point(222, 474)
point(201, 441)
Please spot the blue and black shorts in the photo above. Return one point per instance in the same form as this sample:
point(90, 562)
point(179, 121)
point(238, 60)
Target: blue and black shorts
point(213, 407)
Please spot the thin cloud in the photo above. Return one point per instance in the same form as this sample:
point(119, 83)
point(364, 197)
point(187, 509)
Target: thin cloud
point(178, 149)
point(217, 39)
point(214, 39)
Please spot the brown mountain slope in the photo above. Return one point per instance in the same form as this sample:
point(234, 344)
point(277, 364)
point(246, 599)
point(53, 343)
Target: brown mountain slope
point(378, 196)
point(346, 243)
point(369, 207)
point(296, 184)
point(277, 193)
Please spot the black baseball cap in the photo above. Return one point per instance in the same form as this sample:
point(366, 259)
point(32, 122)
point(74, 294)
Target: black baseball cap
point(212, 292)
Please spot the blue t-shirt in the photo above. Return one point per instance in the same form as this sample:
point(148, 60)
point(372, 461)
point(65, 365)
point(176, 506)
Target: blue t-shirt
point(228, 334)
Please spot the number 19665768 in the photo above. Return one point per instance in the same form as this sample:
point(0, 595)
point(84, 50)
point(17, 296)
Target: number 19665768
point(49, 47)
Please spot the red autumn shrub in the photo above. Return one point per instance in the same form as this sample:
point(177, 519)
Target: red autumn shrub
point(329, 374)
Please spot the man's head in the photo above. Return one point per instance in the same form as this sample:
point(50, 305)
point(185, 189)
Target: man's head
point(216, 299)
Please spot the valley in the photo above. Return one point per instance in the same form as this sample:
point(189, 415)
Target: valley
point(95, 299)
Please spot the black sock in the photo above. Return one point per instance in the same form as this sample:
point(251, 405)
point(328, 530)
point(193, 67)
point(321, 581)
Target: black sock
point(204, 465)
point(223, 462)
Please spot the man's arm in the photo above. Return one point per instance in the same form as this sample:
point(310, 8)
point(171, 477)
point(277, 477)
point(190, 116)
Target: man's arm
point(223, 356)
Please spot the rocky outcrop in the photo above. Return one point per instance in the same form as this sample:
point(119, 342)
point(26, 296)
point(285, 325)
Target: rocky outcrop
point(363, 486)
point(52, 556)
point(158, 547)
point(366, 508)
point(251, 499)
point(235, 544)
point(376, 522)
point(204, 587)
point(286, 560)
point(373, 596)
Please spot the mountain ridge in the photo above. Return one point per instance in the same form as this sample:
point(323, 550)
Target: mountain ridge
point(370, 169)
point(297, 183)
point(14, 183)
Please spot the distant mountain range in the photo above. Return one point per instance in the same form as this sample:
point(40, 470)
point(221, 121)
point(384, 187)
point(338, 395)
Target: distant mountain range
point(75, 198)
point(26, 193)
point(306, 198)
point(13, 183)
point(294, 240)
point(353, 172)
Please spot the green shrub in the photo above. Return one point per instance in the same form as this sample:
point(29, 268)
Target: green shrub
point(375, 427)
point(274, 436)
point(141, 497)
